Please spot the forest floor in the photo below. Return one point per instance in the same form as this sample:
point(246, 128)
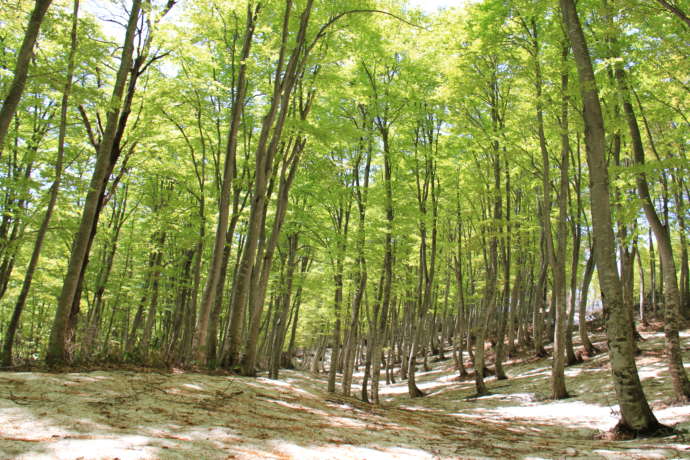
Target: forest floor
point(125, 414)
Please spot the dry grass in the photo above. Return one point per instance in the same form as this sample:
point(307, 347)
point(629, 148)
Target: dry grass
point(137, 415)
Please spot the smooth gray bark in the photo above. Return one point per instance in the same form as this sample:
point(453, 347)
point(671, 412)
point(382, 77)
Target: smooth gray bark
point(636, 415)
point(57, 348)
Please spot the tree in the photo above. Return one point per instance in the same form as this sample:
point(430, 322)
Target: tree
point(57, 350)
point(229, 175)
point(54, 190)
point(21, 68)
point(636, 415)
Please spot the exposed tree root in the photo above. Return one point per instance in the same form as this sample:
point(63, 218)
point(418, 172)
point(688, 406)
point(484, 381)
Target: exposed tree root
point(417, 393)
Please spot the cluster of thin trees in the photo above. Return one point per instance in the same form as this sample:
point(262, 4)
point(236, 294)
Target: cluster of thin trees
point(278, 179)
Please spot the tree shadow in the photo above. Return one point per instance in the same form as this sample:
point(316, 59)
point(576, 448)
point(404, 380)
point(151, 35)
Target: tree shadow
point(121, 414)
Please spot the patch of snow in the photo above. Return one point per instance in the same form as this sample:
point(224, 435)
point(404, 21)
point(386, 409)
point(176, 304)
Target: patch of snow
point(193, 387)
point(575, 413)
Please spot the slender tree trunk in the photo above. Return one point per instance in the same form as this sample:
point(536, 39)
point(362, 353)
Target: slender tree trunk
point(262, 271)
point(250, 273)
point(681, 384)
point(506, 250)
point(341, 220)
point(462, 322)
point(93, 320)
point(501, 319)
point(306, 264)
point(652, 274)
point(556, 256)
point(318, 354)
point(13, 223)
point(538, 303)
point(684, 286)
point(153, 307)
point(337, 304)
point(680, 14)
point(57, 348)
point(513, 316)
point(381, 322)
point(566, 154)
point(361, 275)
point(483, 317)
point(6, 358)
point(181, 299)
point(229, 173)
point(21, 68)
point(636, 414)
point(285, 300)
point(426, 186)
point(590, 350)
point(214, 322)
point(139, 315)
point(640, 269)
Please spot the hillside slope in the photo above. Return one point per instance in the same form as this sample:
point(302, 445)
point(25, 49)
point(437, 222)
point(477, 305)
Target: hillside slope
point(134, 415)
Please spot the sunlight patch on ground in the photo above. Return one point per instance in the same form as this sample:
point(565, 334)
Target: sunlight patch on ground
point(15, 421)
point(652, 372)
point(650, 454)
point(123, 448)
point(674, 415)
point(346, 422)
point(572, 414)
point(287, 384)
point(347, 452)
point(401, 388)
point(535, 372)
point(521, 397)
point(275, 383)
point(577, 371)
point(299, 407)
point(435, 386)
point(448, 378)
point(193, 387)
point(421, 409)
point(394, 390)
point(685, 334)
point(428, 373)
point(129, 415)
point(292, 386)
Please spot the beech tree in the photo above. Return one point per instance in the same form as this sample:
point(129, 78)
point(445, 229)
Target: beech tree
point(635, 412)
point(357, 188)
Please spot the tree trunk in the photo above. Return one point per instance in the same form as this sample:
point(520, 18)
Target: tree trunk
point(57, 348)
point(426, 186)
point(109, 250)
point(21, 68)
point(381, 322)
point(153, 307)
point(250, 273)
point(361, 275)
point(555, 256)
point(504, 306)
point(341, 219)
point(636, 414)
point(6, 358)
point(590, 350)
point(681, 384)
point(229, 174)
point(538, 303)
point(640, 269)
point(680, 14)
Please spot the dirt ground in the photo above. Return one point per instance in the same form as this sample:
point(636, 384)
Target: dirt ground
point(149, 415)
